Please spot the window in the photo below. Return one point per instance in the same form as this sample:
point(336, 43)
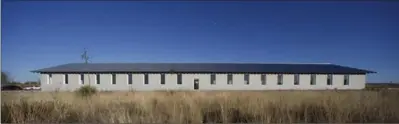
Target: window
point(346, 79)
point(98, 78)
point(82, 78)
point(246, 78)
point(113, 79)
point(49, 78)
point(129, 79)
point(279, 79)
point(263, 79)
point(329, 79)
point(213, 79)
point(229, 79)
point(296, 79)
point(145, 78)
point(66, 78)
point(162, 79)
point(196, 84)
point(312, 79)
point(179, 80)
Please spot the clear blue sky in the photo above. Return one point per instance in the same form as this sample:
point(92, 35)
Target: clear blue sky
point(41, 34)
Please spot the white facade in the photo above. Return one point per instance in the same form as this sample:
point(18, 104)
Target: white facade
point(53, 82)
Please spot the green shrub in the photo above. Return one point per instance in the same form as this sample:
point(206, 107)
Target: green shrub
point(86, 91)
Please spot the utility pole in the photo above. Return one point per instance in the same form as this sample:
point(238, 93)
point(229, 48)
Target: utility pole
point(85, 57)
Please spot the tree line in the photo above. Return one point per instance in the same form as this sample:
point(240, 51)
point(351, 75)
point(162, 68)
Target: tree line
point(6, 80)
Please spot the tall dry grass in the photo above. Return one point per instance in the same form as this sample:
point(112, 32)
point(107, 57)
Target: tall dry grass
point(202, 107)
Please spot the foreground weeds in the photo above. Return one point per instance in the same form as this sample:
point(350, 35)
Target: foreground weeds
point(204, 107)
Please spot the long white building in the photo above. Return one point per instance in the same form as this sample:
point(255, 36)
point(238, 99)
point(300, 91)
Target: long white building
point(201, 76)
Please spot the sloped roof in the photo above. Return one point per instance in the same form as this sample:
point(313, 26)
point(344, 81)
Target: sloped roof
point(200, 68)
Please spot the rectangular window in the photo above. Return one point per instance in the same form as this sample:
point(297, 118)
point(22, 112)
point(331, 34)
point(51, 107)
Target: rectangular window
point(66, 78)
point(229, 79)
point(213, 79)
point(113, 79)
point(179, 80)
point(279, 79)
point(246, 79)
point(162, 79)
point(263, 79)
point(129, 79)
point(145, 78)
point(82, 78)
point(296, 79)
point(49, 78)
point(346, 79)
point(312, 79)
point(98, 78)
point(329, 79)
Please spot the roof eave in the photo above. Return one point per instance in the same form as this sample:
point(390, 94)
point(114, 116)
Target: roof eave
point(36, 71)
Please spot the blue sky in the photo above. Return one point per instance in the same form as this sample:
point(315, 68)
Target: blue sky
point(40, 34)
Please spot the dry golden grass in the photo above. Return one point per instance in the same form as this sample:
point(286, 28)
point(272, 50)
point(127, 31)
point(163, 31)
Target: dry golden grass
point(202, 107)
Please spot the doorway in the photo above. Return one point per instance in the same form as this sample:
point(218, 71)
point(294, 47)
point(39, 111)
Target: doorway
point(196, 84)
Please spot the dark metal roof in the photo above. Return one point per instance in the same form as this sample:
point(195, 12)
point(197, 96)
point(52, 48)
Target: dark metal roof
point(201, 68)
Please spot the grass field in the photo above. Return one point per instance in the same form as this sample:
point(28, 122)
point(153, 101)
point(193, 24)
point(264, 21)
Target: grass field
point(202, 107)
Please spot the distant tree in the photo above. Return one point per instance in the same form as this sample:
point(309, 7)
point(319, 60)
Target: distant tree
point(31, 83)
point(4, 78)
point(14, 82)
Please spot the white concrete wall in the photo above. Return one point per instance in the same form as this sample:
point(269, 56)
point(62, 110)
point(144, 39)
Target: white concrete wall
point(57, 82)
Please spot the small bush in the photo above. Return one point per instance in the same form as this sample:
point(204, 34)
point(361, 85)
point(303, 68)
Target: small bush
point(86, 91)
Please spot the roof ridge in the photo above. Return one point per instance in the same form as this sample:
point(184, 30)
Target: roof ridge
point(207, 67)
point(196, 63)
